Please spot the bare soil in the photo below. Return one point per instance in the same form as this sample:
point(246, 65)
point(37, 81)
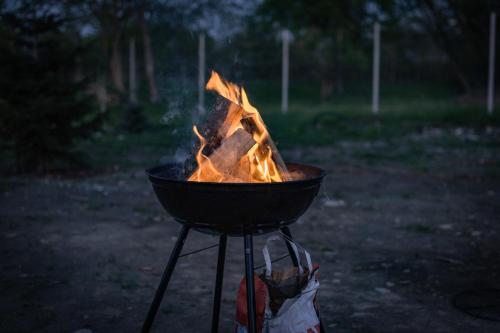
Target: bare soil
point(396, 241)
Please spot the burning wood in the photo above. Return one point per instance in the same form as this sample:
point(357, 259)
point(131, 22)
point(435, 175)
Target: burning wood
point(249, 125)
point(225, 158)
point(234, 144)
point(213, 130)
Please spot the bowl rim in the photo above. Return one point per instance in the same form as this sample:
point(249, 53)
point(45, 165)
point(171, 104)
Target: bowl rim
point(155, 177)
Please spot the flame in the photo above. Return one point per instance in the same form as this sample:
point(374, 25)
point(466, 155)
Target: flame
point(256, 165)
point(208, 172)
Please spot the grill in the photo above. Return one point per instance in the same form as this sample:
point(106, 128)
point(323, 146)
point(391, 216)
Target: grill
point(230, 209)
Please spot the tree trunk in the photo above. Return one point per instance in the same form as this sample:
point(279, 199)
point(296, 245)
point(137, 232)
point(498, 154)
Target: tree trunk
point(101, 93)
point(443, 41)
point(78, 75)
point(116, 64)
point(462, 78)
point(326, 88)
point(132, 72)
point(148, 59)
point(339, 82)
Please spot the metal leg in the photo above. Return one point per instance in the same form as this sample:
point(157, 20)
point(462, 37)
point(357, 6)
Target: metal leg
point(153, 309)
point(286, 232)
point(218, 282)
point(251, 312)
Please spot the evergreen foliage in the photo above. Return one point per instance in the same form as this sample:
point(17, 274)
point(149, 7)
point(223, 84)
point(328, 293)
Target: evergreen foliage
point(44, 108)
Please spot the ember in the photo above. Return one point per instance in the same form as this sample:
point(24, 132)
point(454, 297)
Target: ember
point(234, 144)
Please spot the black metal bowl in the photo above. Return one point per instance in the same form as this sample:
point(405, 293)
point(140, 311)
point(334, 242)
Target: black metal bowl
point(235, 208)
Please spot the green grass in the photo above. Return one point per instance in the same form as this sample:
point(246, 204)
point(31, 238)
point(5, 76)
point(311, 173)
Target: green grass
point(405, 109)
point(323, 126)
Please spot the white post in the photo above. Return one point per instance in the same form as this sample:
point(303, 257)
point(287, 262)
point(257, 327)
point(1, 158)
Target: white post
point(132, 81)
point(201, 73)
point(491, 65)
point(376, 67)
point(286, 37)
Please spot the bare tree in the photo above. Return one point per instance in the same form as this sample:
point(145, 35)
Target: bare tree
point(115, 62)
point(459, 29)
point(112, 17)
point(149, 63)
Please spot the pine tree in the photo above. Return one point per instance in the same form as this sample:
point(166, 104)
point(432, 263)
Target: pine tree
point(43, 108)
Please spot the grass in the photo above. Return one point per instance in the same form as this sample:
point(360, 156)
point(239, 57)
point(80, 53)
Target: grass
point(405, 109)
point(324, 125)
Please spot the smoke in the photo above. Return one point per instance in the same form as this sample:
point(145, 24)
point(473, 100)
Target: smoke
point(172, 113)
point(177, 66)
point(178, 99)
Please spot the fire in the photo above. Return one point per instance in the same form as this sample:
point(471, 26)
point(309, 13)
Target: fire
point(255, 165)
point(208, 171)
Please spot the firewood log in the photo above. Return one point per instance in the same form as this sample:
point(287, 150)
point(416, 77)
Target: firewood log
point(232, 150)
point(216, 127)
point(212, 130)
point(249, 125)
point(228, 155)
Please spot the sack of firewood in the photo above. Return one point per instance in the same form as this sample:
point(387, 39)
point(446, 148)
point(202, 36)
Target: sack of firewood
point(285, 298)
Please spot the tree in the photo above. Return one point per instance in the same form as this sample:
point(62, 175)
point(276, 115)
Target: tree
point(459, 29)
point(44, 107)
point(334, 20)
point(112, 18)
point(148, 54)
point(116, 21)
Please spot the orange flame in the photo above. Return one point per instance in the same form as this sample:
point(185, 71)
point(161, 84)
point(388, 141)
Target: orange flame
point(208, 172)
point(256, 165)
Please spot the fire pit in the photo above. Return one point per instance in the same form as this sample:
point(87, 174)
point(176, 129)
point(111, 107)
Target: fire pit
point(235, 208)
point(235, 184)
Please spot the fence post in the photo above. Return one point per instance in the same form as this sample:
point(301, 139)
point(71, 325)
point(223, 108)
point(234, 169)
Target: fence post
point(201, 73)
point(286, 37)
point(491, 63)
point(376, 68)
point(132, 80)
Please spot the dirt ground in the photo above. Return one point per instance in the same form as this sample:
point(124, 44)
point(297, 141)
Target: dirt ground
point(396, 241)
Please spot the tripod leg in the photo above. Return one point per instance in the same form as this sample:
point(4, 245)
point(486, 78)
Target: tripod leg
point(218, 282)
point(286, 232)
point(167, 274)
point(251, 312)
